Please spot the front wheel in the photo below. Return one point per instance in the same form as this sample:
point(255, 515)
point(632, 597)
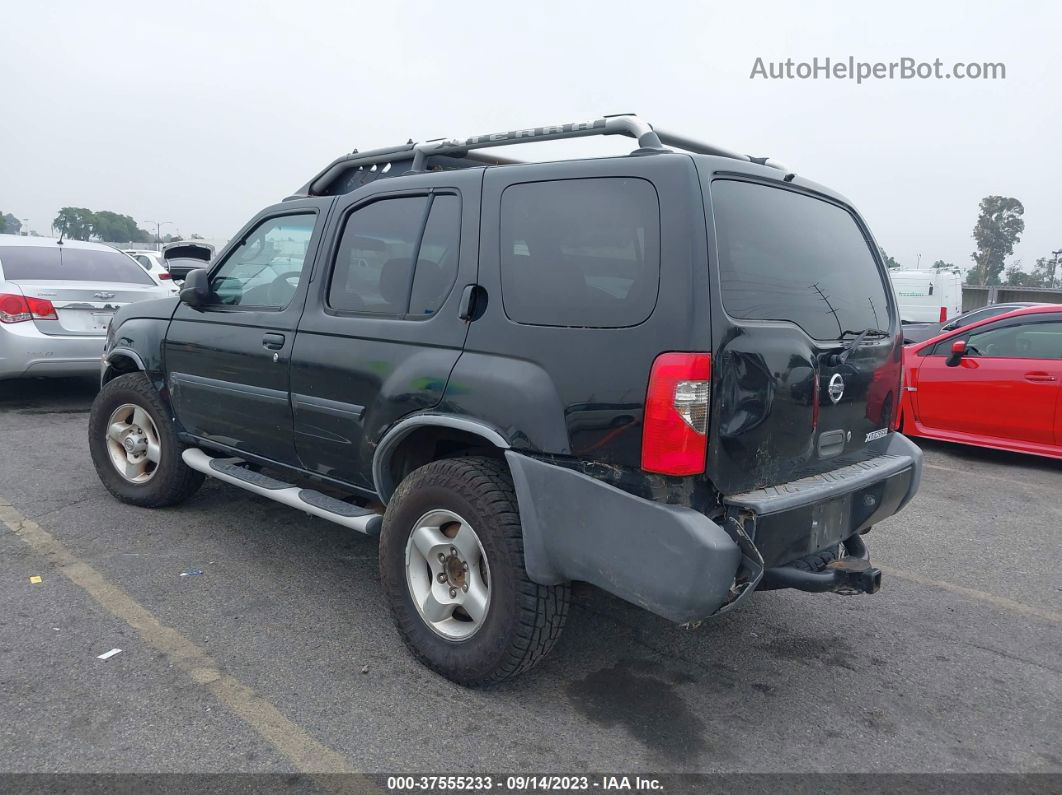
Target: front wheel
point(452, 565)
point(134, 445)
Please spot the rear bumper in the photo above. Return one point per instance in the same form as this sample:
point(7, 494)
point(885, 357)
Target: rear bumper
point(671, 560)
point(679, 563)
point(801, 517)
point(26, 352)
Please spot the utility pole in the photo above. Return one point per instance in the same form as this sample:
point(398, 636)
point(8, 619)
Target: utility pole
point(158, 231)
point(1054, 266)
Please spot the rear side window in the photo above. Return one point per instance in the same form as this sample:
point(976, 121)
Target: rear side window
point(580, 252)
point(33, 263)
point(374, 267)
point(787, 256)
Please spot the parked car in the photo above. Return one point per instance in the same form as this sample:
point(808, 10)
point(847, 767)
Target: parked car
point(927, 296)
point(546, 372)
point(57, 299)
point(152, 262)
point(919, 332)
point(183, 257)
point(994, 383)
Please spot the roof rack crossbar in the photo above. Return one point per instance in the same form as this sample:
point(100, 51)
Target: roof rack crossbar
point(678, 141)
point(628, 125)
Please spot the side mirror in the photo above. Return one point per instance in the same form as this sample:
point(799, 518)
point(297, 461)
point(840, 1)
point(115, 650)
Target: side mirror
point(958, 350)
point(196, 289)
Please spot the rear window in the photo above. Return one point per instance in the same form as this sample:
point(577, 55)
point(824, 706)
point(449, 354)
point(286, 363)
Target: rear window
point(580, 252)
point(47, 263)
point(787, 256)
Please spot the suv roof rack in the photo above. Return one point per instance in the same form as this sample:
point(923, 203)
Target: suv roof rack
point(359, 168)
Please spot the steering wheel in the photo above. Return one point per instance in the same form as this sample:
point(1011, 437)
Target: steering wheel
point(281, 289)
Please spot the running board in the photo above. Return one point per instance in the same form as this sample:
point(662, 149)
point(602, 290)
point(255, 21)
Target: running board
point(312, 502)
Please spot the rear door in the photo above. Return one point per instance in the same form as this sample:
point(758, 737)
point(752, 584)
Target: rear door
point(85, 285)
point(381, 331)
point(1007, 387)
point(796, 280)
point(590, 270)
point(227, 362)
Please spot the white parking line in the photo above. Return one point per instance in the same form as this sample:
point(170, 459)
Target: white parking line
point(972, 593)
point(290, 739)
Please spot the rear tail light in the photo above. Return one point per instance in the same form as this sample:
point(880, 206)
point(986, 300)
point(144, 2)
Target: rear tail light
point(165, 275)
point(943, 314)
point(675, 431)
point(18, 308)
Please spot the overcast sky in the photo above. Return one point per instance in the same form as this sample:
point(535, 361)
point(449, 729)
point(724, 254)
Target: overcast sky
point(203, 113)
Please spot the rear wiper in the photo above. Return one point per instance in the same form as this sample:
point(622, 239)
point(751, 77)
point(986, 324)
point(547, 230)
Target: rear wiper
point(861, 337)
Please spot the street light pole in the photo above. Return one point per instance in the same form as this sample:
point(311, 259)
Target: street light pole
point(1054, 267)
point(158, 233)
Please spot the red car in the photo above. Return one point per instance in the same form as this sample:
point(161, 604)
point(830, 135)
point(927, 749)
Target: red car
point(997, 383)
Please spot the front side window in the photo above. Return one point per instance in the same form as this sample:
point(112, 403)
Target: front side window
point(1018, 341)
point(580, 252)
point(266, 267)
point(374, 268)
point(784, 255)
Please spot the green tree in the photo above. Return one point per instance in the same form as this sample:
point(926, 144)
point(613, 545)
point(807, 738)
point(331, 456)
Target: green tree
point(998, 229)
point(9, 224)
point(75, 222)
point(115, 228)
point(1015, 276)
point(941, 265)
point(1046, 273)
point(890, 263)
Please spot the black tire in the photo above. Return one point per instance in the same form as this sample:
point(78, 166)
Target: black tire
point(173, 481)
point(524, 619)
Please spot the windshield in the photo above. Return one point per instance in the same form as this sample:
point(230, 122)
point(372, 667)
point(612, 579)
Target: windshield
point(784, 255)
point(48, 263)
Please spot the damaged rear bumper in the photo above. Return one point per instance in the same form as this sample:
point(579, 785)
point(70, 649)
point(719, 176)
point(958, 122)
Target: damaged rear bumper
point(679, 563)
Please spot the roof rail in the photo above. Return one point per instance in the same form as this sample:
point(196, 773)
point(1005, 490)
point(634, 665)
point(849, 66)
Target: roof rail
point(415, 155)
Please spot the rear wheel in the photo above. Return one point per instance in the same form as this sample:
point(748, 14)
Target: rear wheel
point(134, 445)
point(452, 565)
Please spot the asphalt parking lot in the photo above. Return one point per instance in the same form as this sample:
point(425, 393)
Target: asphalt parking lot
point(280, 655)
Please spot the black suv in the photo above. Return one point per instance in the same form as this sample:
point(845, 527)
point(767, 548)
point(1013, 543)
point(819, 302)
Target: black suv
point(672, 374)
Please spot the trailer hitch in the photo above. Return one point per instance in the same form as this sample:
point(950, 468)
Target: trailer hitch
point(848, 575)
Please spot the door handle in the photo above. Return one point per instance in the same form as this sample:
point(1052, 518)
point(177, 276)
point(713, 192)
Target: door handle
point(272, 341)
point(469, 307)
point(1039, 376)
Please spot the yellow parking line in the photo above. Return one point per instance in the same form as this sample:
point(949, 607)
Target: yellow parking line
point(291, 740)
point(972, 593)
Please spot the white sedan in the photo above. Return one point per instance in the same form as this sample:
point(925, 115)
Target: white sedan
point(56, 301)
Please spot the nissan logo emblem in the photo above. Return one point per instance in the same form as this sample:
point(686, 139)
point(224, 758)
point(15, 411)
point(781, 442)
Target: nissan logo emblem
point(836, 388)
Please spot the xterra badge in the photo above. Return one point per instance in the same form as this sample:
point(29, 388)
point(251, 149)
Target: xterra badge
point(878, 434)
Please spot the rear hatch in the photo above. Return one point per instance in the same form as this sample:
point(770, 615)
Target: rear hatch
point(184, 257)
point(84, 286)
point(807, 361)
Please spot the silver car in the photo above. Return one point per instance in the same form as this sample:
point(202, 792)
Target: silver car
point(56, 300)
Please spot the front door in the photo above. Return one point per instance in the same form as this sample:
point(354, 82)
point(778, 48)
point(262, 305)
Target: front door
point(228, 361)
point(1006, 386)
